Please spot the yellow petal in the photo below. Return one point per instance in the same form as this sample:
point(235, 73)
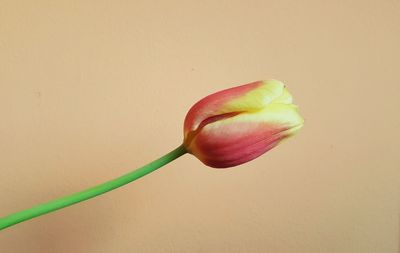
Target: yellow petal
point(260, 97)
point(278, 114)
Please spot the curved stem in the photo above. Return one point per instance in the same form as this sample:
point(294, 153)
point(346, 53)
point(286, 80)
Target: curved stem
point(54, 205)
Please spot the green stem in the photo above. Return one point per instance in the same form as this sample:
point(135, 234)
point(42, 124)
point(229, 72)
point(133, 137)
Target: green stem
point(54, 205)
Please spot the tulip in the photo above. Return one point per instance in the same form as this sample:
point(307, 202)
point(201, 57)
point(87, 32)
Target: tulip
point(239, 124)
point(223, 130)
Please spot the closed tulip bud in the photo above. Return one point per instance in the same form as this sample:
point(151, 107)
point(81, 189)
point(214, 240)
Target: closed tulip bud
point(239, 124)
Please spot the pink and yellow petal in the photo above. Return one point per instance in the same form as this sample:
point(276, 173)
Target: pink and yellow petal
point(259, 97)
point(228, 145)
point(235, 140)
point(282, 115)
point(214, 105)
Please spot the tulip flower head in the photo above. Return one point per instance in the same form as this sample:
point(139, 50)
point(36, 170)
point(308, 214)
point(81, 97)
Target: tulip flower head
point(239, 124)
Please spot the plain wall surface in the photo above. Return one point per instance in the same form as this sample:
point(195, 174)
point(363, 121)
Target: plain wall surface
point(90, 90)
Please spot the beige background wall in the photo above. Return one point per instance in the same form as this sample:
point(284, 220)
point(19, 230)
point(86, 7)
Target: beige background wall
point(92, 89)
